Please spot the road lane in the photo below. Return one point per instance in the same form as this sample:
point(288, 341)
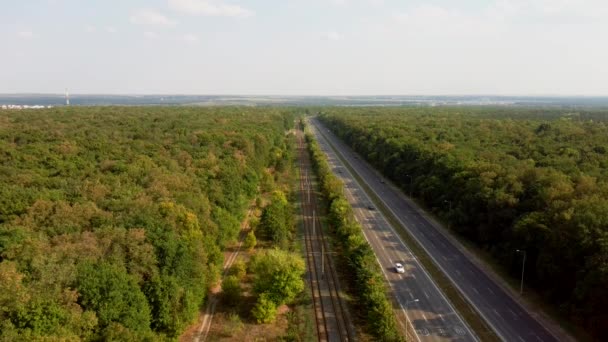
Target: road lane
point(431, 315)
point(493, 303)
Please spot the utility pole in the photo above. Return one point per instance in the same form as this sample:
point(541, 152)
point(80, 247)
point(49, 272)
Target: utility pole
point(322, 261)
point(313, 223)
point(308, 186)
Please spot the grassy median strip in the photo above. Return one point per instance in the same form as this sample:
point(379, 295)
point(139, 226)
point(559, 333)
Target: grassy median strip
point(464, 308)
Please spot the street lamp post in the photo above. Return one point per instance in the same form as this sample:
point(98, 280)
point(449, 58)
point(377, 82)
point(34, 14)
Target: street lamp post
point(523, 267)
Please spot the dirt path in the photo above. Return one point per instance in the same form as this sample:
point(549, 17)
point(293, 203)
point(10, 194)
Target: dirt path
point(199, 331)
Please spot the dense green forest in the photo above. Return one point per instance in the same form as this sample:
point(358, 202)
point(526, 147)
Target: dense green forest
point(506, 179)
point(112, 219)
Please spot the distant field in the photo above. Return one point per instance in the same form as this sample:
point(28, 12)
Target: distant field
point(269, 100)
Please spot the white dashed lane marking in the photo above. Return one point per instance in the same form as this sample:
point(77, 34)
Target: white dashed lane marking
point(496, 312)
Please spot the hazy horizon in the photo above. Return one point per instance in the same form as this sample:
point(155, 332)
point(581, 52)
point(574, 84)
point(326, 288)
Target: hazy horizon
point(62, 94)
point(305, 48)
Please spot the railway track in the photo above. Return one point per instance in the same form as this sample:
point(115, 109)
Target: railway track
point(332, 319)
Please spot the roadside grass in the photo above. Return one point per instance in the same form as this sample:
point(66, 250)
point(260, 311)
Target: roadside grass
point(483, 331)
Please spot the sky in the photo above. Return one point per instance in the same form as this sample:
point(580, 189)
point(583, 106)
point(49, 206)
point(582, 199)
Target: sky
point(305, 47)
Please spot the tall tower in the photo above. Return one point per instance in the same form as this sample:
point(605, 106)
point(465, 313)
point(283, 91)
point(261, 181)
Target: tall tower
point(67, 97)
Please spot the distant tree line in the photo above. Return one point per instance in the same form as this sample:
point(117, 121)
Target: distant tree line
point(113, 219)
point(506, 179)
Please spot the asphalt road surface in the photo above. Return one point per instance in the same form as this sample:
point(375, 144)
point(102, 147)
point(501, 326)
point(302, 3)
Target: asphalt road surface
point(508, 319)
point(429, 315)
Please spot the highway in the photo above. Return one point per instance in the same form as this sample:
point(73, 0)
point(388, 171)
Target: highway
point(506, 317)
point(429, 315)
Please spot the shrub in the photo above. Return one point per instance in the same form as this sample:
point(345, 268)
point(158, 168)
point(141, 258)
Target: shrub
point(231, 288)
point(238, 269)
point(278, 274)
point(265, 310)
point(234, 325)
point(250, 241)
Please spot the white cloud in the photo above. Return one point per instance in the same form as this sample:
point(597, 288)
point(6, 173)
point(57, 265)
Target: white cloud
point(151, 17)
point(26, 34)
point(507, 46)
point(333, 35)
point(214, 8)
point(524, 19)
point(189, 38)
point(431, 21)
point(351, 2)
point(90, 29)
point(339, 2)
point(579, 8)
point(151, 35)
point(111, 29)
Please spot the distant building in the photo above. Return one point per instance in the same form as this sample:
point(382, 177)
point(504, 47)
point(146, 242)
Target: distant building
point(19, 107)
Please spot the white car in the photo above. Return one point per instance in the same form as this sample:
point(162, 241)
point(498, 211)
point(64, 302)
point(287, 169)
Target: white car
point(399, 268)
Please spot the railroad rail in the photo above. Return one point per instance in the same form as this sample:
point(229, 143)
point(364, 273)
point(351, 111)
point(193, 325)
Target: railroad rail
point(332, 319)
